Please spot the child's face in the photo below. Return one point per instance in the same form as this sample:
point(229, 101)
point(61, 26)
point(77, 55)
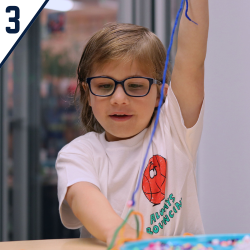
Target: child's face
point(139, 110)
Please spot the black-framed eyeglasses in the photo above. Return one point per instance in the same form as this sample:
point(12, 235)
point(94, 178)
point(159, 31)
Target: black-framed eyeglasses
point(132, 86)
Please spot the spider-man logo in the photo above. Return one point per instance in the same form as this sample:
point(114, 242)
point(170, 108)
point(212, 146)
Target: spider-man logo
point(154, 179)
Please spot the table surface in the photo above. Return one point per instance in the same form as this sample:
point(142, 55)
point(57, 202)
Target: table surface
point(62, 244)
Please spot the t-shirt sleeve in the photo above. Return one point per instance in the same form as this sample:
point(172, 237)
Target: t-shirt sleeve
point(72, 168)
point(186, 139)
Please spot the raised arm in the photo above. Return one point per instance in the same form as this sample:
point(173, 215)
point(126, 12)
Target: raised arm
point(188, 73)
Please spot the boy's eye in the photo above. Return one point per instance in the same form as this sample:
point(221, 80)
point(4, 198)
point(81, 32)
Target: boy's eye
point(135, 85)
point(105, 86)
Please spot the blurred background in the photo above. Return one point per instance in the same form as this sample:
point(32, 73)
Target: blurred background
point(38, 117)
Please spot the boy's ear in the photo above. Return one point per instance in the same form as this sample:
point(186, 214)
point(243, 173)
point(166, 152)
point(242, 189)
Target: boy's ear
point(165, 94)
point(166, 89)
point(85, 86)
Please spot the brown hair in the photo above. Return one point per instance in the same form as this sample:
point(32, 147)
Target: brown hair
point(114, 42)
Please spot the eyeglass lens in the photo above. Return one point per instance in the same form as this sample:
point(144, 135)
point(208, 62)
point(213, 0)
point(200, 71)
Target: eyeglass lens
point(134, 86)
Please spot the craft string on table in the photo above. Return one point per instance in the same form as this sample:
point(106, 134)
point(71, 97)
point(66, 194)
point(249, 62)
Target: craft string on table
point(131, 203)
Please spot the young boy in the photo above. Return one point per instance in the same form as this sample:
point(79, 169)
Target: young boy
point(119, 78)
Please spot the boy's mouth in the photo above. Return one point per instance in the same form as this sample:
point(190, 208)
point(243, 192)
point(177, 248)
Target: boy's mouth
point(120, 117)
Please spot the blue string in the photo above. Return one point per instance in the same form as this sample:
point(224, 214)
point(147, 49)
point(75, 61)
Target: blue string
point(187, 14)
point(161, 96)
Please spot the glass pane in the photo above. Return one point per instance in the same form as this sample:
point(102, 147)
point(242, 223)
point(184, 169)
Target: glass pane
point(102, 86)
point(10, 65)
point(137, 86)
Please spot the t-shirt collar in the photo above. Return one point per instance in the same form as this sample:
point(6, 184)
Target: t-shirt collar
point(126, 142)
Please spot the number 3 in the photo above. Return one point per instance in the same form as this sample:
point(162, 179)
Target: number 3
point(13, 19)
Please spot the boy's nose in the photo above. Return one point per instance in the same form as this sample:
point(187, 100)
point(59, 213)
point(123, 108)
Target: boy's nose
point(119, 96)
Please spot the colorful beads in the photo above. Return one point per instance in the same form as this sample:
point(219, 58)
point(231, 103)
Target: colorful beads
point(243, 244)
point(234, 244)
point(215, 242)
point(186, 246)
point(130, 203)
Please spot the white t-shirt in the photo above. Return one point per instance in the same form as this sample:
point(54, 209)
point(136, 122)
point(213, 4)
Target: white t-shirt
point(167, 196)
